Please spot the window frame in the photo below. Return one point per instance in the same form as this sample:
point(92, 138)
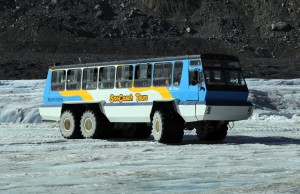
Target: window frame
point(163, 81)
point(175, 80)
point(77, 82)
point(59, 84)
point(145, 82)
point(92, 82)
point(121, 77)
point(108, 82)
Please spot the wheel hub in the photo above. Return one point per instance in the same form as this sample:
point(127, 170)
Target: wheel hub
point(88, 124)
point(67, 124)
point(157, 126)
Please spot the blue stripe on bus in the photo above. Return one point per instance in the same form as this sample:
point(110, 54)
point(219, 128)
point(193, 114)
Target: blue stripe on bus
point(51, 105)
point(226, 96)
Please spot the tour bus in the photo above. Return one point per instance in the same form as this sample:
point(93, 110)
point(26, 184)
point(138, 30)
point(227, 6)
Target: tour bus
point(158, 96)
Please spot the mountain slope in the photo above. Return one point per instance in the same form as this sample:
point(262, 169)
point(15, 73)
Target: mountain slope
point(34, 32)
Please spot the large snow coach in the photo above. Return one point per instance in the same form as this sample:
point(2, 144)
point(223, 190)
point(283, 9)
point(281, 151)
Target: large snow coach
point(162, 96)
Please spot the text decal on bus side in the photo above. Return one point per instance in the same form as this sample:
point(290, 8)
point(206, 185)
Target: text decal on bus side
point(127, 98)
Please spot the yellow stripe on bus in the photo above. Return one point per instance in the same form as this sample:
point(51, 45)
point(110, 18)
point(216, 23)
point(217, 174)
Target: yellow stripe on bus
point(163, 91)
point(85, 96)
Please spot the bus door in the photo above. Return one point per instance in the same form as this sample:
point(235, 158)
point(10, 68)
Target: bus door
point(197, 88)
point(193, 94)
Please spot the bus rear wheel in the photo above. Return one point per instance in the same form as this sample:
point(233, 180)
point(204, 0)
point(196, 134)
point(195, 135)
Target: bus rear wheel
point(88, 125)
point(165, 129)
point(69, 125)
point(212, 130)
point(94, 125)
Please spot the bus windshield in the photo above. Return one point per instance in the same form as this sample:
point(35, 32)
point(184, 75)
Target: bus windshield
point(223, 73)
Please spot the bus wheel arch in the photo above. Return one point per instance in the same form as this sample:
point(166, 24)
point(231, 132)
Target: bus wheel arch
point(166, 106)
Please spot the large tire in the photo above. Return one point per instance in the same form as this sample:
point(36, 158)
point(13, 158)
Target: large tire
point(165, 129)
point(88, 124)
point(69, 125)
point(212, 131)
point(93, 124)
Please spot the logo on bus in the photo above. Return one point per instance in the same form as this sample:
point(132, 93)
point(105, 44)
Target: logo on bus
point(127, 98)
point(140, 97)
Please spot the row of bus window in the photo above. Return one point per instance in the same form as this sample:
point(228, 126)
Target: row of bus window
point(104, 77)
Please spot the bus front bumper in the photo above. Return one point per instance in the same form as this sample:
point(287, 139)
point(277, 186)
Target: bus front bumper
point(216, 112)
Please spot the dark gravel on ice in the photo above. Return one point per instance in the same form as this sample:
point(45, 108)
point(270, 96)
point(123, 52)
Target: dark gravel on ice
point(34, 34)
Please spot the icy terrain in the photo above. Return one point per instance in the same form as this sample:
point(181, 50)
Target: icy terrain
point(260, 155)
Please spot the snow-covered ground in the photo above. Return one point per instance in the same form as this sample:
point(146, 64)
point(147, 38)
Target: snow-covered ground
point(259, 155)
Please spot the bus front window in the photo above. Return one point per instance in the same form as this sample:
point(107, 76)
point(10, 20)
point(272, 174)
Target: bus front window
point(223, 75)
point(218, 77)
point(214, 77)
point(234, 78)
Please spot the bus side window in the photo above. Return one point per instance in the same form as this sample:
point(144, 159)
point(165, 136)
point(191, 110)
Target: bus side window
point(177, 73)
point(143, 75)
point(58, 80)
point(195, 62)
point(162, 74)
point(74, 79)
point(106, 77)
point(89, 79)
point(124, 76)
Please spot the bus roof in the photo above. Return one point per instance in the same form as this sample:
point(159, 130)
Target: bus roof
point(148, 60)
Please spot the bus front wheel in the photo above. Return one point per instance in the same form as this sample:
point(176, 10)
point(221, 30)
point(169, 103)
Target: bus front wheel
point(165, 129)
